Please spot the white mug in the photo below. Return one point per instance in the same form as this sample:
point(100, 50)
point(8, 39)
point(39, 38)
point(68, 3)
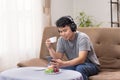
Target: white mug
point(53, 39)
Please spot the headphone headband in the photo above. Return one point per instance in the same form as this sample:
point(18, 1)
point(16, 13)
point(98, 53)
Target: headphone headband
point(72, 23)
point(70, 18)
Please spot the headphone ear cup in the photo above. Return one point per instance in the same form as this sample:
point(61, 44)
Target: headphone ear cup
point(73, 27)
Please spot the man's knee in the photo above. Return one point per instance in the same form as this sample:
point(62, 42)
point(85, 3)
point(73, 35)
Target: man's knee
point(81, 68)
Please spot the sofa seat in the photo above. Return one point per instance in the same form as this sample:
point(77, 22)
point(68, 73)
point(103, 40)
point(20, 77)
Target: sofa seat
point(106, 75)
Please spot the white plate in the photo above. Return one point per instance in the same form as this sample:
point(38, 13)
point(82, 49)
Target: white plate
point(40, 69)
point(54, 72)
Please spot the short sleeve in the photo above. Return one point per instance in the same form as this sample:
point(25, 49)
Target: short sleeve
point(84, 44)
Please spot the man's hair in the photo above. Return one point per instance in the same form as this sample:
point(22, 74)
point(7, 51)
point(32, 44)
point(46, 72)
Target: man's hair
point(66, 21)
point(63, 21)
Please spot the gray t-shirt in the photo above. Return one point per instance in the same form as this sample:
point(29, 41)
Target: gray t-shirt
point(72, 48)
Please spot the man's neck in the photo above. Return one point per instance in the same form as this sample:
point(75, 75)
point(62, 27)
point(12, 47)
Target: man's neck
point(73, 36)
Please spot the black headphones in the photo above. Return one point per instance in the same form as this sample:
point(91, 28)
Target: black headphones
point(73, 26)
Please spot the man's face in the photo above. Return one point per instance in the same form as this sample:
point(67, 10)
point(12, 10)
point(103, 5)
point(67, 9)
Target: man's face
point(66, 32)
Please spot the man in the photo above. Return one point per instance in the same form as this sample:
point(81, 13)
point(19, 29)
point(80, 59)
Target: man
point(77, 48)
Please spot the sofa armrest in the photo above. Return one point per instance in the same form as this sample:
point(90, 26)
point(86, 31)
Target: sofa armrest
point(33, 62)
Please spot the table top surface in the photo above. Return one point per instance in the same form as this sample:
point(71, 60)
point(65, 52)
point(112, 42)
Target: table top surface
point(38, 73)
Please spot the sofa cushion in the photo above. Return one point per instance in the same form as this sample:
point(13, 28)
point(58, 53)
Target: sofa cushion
point(33, 62)
point(106, 42)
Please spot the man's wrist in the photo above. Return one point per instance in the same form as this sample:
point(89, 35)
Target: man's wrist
point(66, 63)
point(49, 48)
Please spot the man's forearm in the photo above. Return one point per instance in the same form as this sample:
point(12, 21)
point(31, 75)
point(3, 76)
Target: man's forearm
point(52, 53)
point(72, 62)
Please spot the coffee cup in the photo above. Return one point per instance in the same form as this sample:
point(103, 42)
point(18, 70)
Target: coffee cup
point(53, 39)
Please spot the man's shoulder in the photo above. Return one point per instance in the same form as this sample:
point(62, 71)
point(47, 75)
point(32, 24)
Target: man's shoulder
point(82, 34)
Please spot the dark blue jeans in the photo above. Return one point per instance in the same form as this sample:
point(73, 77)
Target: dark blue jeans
point(86, 69)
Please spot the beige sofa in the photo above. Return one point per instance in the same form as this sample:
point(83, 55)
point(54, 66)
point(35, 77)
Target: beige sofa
point(106, 42)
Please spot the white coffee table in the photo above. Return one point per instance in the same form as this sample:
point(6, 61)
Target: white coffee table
point(37, 73)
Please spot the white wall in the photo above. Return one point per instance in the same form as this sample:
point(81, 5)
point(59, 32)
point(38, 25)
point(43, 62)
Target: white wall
point(61, 8)
point(99, 9)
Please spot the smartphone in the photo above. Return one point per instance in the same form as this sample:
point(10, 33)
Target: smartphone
point(49, 58)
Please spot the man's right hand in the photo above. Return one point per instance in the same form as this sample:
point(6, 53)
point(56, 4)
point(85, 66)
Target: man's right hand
point(48, 44)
